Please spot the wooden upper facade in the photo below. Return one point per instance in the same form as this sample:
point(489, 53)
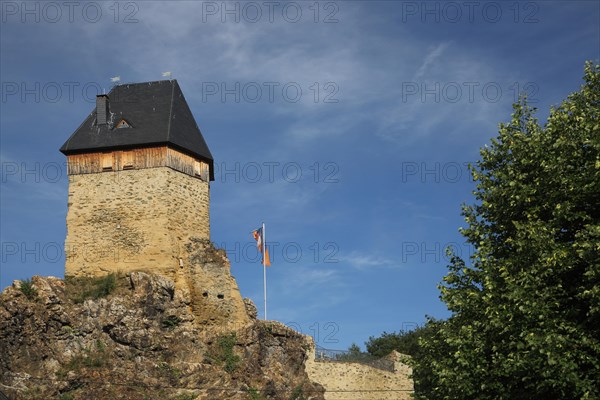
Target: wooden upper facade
point(149, 157)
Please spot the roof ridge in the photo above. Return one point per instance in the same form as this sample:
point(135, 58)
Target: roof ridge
point(171, 111)
point(142, 83)
point(66, 144)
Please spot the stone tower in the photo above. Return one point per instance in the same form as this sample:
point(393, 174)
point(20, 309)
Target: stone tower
point(139, 174)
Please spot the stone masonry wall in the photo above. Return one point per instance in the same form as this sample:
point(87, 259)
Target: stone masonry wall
point(214, 296)
point(354, 381)
point(134, 219)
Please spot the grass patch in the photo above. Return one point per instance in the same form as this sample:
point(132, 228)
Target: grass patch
point(80, 289)
point(27, 289)
point(92, 357)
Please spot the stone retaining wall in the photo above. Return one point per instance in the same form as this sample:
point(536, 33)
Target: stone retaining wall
point(354, 381)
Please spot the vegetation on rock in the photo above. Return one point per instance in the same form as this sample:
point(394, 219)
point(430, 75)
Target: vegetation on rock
point(82, 288)
point(140, 341)
point(27, 289)
point(225, 354)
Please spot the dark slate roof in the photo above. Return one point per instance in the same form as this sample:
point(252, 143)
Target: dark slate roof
point(158, 115)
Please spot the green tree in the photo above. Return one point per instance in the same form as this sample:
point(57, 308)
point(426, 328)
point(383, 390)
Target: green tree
point(353, 354)
point(354, 349)
point(525, 318)
point(405, 342)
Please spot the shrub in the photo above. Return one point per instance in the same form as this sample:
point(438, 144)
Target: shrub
point(170, 372)
point(224, 353)
point(254, 394)
point(297, 394)
point(27, 289)
point(171, 322)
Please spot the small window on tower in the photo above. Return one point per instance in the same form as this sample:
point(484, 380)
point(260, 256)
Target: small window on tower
point(200, 170)
point(197, 169)
point(107, 162)
point(127, 159)
point(123, 124)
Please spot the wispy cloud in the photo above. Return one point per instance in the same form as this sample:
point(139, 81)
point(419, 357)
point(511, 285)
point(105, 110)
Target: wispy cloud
point(368, 91)
point(448, 86)
point(431, 57)
point(310, 277)
point(364, 261)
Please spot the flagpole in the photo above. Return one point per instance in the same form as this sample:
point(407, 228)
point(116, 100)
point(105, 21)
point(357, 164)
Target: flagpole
point(264, 254)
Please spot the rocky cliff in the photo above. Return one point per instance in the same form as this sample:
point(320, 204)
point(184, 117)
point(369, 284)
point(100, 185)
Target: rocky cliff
point(143, 336)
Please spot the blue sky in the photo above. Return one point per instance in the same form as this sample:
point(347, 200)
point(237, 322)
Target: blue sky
point(344, 126)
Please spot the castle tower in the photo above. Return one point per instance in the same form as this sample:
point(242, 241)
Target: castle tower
point(139, 173)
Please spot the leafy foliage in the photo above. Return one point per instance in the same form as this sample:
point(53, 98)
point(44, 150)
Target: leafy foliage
point(405, 342)
point(354, 354)
point(526, 309)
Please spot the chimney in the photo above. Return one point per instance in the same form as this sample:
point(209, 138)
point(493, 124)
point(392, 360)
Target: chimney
point(102, 109)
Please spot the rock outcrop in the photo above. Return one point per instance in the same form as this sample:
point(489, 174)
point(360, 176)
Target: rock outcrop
point(148, 338)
